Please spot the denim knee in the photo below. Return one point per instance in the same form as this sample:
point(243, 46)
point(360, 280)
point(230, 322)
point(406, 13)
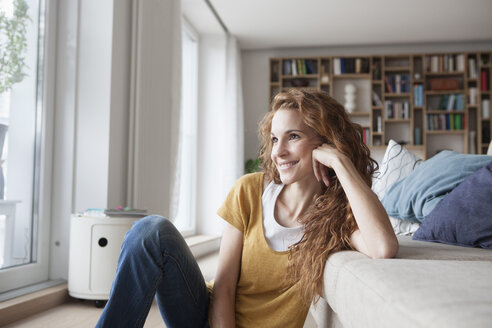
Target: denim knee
point(149, 229)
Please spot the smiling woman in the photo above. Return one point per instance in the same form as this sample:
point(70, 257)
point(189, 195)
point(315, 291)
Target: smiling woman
point(311, 146)
point(313, 200)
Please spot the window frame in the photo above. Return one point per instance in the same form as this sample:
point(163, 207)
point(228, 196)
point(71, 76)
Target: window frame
point(38, 270)
point(191, 230)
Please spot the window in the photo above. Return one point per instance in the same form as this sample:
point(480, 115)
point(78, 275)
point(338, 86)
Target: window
point(21, 146)
point(185, 216)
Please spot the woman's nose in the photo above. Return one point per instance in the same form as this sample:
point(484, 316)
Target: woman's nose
point(281, 149)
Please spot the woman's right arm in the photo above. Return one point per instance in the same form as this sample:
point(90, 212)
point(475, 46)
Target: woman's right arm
point(224, 294)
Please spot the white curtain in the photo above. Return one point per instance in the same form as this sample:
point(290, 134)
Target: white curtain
point(220, 126)
point(233, 117)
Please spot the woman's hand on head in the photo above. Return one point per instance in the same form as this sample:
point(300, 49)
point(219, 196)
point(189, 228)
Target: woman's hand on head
point(325, 158)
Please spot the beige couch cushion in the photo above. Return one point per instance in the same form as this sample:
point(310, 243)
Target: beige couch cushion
point(427, 285)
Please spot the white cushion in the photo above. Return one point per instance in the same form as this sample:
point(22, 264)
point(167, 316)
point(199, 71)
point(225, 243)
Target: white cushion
point(398, 163)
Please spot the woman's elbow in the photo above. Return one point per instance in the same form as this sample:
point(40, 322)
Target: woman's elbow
point(387, 250)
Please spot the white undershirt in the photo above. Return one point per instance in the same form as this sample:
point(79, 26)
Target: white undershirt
point(278, 237)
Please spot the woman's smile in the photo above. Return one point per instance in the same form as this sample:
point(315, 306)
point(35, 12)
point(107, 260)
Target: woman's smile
point(286, 165)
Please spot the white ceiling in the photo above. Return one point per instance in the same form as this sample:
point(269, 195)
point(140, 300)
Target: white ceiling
point(262, 24)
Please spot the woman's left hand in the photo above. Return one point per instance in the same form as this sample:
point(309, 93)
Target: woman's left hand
point(325, 158)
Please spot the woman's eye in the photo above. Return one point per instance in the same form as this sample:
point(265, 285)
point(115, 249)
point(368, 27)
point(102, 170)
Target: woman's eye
point(274, 140)
point(294, 136)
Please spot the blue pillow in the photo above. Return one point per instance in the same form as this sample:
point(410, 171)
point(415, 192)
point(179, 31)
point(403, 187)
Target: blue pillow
point(464, 217)
point(414, 197)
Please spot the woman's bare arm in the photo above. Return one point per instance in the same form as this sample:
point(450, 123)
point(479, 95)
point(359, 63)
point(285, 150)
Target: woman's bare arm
point(224, 295)
point(375, 236)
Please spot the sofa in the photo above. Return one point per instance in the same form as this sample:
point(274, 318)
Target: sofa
point(428, 284)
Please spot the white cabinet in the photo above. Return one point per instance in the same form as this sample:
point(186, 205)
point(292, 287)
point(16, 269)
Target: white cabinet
point(95, 244)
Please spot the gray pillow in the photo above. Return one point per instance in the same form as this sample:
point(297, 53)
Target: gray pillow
point(414, 197)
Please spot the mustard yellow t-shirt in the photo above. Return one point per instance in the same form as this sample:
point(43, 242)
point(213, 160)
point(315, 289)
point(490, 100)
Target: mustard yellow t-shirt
point(262, 299)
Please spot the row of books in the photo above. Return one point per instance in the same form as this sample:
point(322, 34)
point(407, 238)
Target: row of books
point(418, 95)
point(299, 67)
point(397, 83)
point(397, 110)
point(452, 102)
point(447, 122)
point(350, 65)
point(445, 63)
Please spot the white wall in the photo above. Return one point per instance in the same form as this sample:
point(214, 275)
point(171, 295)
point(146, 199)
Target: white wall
point(255, 75)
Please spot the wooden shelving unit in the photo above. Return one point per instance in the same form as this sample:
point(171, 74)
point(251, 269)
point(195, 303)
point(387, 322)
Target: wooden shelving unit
point(422, 100)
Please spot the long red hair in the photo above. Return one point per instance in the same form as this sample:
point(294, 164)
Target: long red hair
point(329, 221)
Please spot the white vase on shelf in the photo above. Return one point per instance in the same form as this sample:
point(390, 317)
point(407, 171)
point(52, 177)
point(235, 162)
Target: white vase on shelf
point(350, 97)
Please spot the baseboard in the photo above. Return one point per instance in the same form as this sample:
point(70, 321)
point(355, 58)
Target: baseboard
point(23, 306)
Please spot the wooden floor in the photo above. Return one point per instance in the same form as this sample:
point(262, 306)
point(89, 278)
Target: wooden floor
point(77, 314)
point(83, 314)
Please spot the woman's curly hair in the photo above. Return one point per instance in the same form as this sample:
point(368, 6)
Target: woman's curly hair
point(329, 221)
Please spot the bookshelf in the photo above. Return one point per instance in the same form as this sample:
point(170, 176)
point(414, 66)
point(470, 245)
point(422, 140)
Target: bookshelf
point(429, 102)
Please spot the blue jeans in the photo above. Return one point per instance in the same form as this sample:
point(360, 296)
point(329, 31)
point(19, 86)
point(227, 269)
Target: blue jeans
point(155, 260)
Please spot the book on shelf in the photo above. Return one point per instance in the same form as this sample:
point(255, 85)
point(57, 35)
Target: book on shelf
point(379, 124)
point(376, 100)
point(445, 122)
point(350, 65)
point(337, 67)
point(287, 69)
point(484, 79)
point(358, 65)
point(460, 63)
point(376, 70)
point(485, 108)
point(445, 63)
point(444, 84)
point(472, 68)
point(397, 110)
point(450, 63)
point(366, 135)
point(418, 95)
point(294, 67)
point(472, 93)
point(451, 102)
point(274, 72)
point(397, 83)
point(309, 67)
point(131, 212)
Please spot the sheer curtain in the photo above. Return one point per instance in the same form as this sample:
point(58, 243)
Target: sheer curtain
point(220, 127)
point(233, 117)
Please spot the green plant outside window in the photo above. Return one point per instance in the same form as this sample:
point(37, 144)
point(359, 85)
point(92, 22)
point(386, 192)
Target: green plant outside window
point(13, 45)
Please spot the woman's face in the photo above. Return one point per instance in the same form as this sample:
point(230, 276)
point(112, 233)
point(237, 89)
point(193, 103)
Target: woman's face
point(292, 146)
